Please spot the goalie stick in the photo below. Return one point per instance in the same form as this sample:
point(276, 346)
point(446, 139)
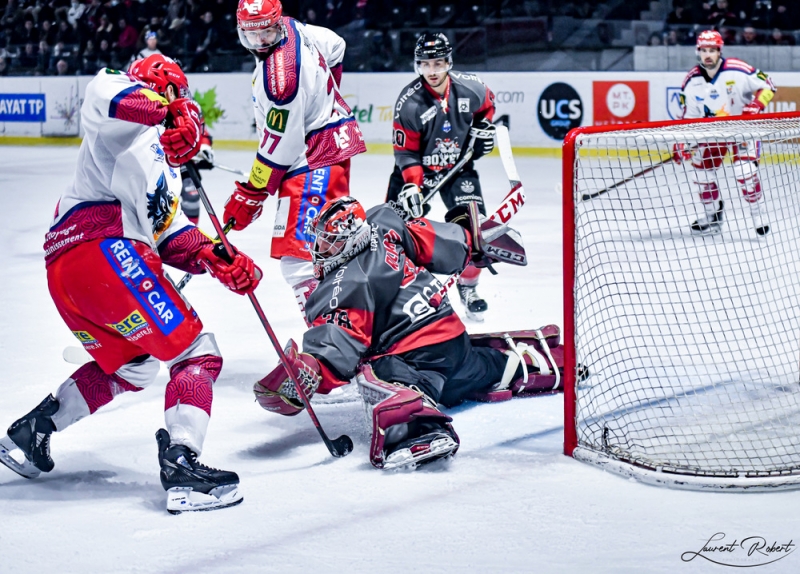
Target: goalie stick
point(511, 204)
point(338, 447)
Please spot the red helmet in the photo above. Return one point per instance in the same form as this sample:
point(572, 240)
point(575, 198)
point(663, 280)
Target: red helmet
point(710, 39)
point(254, 19)
point(341, 233)
point(158, 72)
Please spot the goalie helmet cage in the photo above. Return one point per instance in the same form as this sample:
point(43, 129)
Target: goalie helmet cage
point(682, 352)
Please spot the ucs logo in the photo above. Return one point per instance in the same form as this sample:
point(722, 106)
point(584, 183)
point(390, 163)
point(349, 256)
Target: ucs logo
point(560, 109)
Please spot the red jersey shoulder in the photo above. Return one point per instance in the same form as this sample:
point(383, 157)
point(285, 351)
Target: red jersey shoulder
point(693, 73)
point(282, 68)
point(737, 64)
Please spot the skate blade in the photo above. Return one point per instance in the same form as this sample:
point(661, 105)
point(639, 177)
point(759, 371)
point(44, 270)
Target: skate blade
point(24, 468)
point(472, 316)
point(711, 230)
point(404, 459)
point(184, 499)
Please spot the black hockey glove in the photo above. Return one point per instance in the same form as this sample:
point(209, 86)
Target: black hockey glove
point(491, 242)
point(483, 133)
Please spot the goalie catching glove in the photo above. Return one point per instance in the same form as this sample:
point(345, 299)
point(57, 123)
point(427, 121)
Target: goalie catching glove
point(277, 393)
point(491, 242)
point(240, 274)
point(181, 140)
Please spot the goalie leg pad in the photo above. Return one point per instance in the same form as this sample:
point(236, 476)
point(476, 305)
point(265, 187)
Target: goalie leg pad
point(407, 428)
point(535, 362)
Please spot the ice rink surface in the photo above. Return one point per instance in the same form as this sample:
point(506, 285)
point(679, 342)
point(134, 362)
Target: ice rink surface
point(509, 502)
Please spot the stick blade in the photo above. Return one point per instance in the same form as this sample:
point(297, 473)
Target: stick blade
point(506, 154)
point(341, 446)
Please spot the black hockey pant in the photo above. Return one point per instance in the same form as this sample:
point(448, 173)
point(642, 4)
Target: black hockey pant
point(463, 188)
point(447, 372)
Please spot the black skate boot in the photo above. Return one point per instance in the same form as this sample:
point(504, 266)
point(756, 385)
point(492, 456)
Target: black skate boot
point(191, 485)
point(432, 441)
point(474, 304)
point(711, 224)
point(31, 436)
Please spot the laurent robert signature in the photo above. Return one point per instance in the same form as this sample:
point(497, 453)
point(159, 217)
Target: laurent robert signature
point(744, 553)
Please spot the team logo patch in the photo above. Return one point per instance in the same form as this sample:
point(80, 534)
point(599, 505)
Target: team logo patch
point(260, 174)
point(161, 207)
point(761, 76)
point(276, 120)
point(463, 104)
point(143, 284)
point(446, 127)
point(467, 186)
point(399, 138)
point(156, 149)
point(429, 114)
point(130, 325)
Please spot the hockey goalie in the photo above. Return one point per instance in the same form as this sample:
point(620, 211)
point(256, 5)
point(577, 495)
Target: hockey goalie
point(378, 317)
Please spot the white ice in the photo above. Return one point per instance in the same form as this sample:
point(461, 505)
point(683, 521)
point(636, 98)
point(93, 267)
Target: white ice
point(509, 502)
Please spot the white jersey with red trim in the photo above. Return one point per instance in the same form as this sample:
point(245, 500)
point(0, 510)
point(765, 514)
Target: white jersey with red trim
point(303, 121)
point(123, 186)
point(736, 84)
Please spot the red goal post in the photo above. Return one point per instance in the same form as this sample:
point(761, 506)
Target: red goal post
point(688, 346)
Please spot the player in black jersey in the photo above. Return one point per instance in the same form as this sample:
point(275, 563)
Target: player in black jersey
point(438, 116)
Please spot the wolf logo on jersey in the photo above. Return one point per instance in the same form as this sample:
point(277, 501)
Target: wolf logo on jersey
point(161, 207)
point(444, 154)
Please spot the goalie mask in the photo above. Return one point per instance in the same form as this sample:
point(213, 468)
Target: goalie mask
point(259, 25)
point(341, 232)
point(159, 72)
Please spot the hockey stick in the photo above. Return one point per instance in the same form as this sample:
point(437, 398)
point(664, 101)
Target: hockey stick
point(188, 276)
point(507, 209)
point(468, 153)
point(588, 196)
point(230, 169)
point(339, 447)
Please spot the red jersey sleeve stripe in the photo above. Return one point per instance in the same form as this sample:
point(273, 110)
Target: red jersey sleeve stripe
point(405, 138)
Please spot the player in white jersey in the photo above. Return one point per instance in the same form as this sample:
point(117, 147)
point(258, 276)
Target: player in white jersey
point(715, 88)
point(307, 133)
point(114, 227)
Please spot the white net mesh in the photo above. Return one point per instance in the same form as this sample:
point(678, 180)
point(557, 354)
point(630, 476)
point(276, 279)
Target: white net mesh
point(692, 342)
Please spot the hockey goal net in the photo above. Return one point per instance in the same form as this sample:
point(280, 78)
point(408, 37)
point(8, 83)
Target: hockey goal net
point(682, 351)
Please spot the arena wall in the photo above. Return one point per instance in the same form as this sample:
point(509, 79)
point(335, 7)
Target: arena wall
point(538, 107)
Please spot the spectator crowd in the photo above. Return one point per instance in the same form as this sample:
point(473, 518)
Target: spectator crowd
point(67, 37)
point(741, 22)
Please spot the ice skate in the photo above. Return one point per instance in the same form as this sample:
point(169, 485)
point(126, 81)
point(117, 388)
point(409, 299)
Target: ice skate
point(711, 223)
point(30, 436)
point(474, 304)
point(412, 453)
point(759, 212)
point(190, 485)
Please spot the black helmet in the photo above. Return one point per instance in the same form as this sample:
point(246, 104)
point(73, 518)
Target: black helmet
point(432, 46)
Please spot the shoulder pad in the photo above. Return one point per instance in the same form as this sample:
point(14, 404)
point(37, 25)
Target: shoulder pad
point(693, 73)
point(281, 73)
point(736, 64)
point(406, 94)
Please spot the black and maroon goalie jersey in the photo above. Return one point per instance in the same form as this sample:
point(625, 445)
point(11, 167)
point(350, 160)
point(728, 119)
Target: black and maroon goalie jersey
point(378, 302)
point(431, 131)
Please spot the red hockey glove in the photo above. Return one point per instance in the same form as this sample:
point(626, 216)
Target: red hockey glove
point(244, 205)
point(681, 153)
point(240, 275)
point(754, 107)
point(181, 141)
point(337, 73)
point(276, 392)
